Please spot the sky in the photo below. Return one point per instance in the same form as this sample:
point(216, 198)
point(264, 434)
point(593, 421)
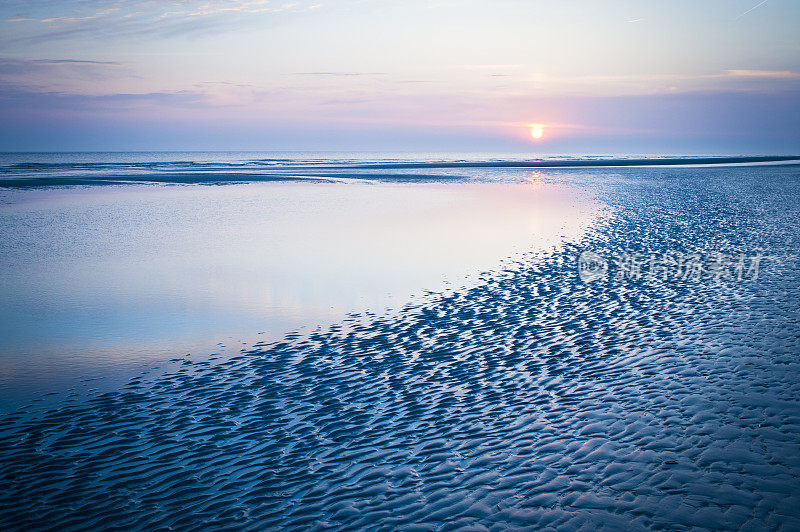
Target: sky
point(600, 77)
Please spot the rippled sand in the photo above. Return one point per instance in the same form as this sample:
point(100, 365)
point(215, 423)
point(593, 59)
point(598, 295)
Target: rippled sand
point(532, 400)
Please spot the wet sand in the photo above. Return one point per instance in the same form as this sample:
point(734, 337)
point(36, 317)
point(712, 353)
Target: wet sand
point(531, 400)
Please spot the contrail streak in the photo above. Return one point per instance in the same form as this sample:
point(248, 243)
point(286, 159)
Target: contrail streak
point(752, 8)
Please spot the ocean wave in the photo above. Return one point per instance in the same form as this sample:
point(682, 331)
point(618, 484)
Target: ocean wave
point(55, 173)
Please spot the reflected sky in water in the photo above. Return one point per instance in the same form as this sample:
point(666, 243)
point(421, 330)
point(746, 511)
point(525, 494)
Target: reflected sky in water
point(104, 279)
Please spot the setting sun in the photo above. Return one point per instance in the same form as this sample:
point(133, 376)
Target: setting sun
point(537, 130)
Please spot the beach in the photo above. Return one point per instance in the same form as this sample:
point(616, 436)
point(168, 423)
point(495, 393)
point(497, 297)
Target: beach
point(399, 266)
point(626, 360)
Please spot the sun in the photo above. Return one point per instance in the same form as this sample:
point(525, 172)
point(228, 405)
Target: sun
point(537, 131)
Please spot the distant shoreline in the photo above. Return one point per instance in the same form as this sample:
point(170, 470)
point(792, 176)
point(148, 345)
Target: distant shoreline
point(546, 163)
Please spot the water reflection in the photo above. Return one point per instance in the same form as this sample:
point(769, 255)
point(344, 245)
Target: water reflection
point(117, 276)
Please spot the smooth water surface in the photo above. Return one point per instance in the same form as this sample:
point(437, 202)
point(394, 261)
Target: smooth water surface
point(116, 277)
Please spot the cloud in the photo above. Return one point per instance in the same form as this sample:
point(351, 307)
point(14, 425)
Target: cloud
point(8, 64)
point(43, 21)
point(19, 101)
point(36, 71)
point(490, 67)
point(657, 83)
point(75, 62)
point(776, 74)
point(340, 74)
point(250, 7)
point(68, 75)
